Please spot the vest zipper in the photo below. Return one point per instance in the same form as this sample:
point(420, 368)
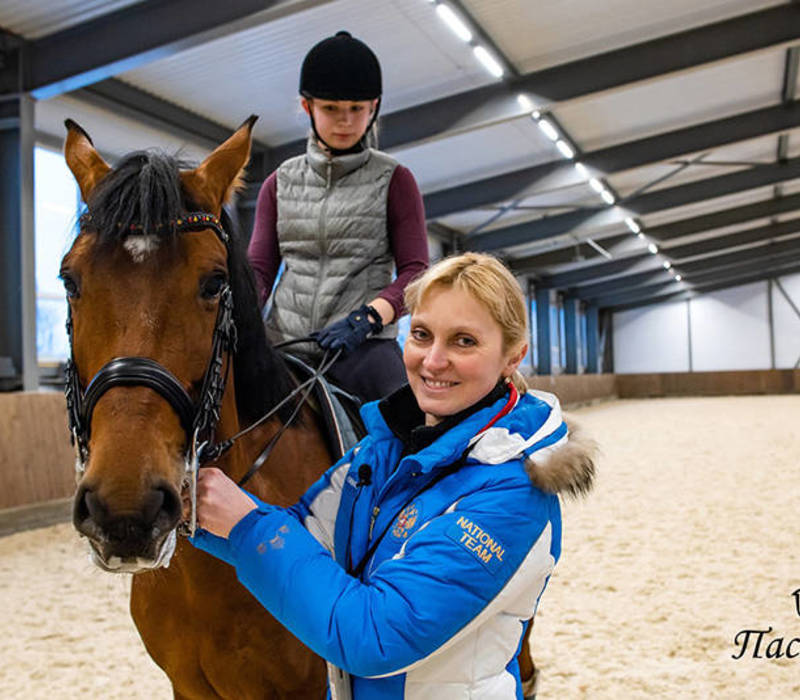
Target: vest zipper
point(323, 268)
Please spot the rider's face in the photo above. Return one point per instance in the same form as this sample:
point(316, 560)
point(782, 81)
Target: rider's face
point(340, 123)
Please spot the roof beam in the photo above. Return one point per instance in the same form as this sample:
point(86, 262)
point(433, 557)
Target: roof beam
point(709, 277)
point(497, 103)
point(647, 203)
point(587, 273)
point(119, 97)
point(679, 295)
point(614, 159)
point(674, 229)
point(128, 38)
point(690, 270)
point(767, 254)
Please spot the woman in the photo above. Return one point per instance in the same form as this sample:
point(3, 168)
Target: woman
point(341, 217)
point(415, 561)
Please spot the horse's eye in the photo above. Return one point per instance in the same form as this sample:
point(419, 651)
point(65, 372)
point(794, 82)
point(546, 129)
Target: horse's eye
point(70, 286)
point(211, 287)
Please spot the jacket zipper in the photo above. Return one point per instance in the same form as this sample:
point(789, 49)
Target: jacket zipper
point(372, 520)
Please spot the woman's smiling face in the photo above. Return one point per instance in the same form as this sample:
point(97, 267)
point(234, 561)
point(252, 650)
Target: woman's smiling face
point(454, 353)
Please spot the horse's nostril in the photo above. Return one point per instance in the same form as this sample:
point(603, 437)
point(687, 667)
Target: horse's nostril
point(152, 505)
point(94, 506)
point(171, 504)
point(80, 511)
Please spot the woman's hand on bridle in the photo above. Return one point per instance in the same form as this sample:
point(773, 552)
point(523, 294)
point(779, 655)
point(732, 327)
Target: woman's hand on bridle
point(220, 502)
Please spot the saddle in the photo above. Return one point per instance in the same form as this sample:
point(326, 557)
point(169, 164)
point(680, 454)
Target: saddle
point(338, 409)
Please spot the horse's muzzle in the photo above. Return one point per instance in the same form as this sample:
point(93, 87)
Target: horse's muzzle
point(133, 541)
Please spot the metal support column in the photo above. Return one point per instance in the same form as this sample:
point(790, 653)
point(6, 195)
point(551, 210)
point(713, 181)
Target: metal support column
point(592, 339)
point(571, 333)
point(30, 364)
point(771, 321)
point(17, 266)
point(544, 365)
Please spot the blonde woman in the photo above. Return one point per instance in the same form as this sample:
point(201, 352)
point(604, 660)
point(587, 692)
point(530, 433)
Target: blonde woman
point(414, 563)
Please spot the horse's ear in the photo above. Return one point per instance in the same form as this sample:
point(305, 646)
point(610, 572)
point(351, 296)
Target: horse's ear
point(86, 164)
point(215, 180)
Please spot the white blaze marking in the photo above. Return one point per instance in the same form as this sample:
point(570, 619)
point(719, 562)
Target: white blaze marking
point(140, 246)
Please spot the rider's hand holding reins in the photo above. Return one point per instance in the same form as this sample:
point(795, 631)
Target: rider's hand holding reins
point(220, 502)
point(349, 332)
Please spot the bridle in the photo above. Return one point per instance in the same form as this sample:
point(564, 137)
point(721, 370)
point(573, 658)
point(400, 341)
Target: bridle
point(198, 419)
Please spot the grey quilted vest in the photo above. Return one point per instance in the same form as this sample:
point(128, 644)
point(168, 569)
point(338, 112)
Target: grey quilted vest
point(333, 240)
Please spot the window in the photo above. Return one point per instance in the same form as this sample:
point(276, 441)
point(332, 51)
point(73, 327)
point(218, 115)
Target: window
point(56, 201)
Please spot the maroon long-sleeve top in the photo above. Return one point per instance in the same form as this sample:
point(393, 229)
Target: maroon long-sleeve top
point(405, 220)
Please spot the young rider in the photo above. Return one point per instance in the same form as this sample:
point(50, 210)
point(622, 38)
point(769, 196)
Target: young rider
point(343, 217)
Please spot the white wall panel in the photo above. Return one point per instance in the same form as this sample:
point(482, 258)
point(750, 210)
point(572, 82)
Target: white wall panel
point(730, 329)
point(787, 322)
point(652, 339)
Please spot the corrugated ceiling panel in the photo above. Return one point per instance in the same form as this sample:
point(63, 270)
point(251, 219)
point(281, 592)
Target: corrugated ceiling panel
point(112, 134)
point(36, 18)
point(257, 70)
point(709, 206)
point(530, 209)
point(476, 155)
point(713, 92)
point(721, 161)
point(535, 35)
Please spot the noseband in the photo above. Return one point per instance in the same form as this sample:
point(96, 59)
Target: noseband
point(198, 419)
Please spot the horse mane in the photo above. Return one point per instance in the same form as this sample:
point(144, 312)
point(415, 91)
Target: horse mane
point(145, 190)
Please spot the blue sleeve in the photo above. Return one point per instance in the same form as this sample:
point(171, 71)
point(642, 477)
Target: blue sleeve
point(412, 604)
point(220, 547)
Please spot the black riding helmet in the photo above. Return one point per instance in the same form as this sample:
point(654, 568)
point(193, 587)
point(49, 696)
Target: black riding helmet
point(342, 68)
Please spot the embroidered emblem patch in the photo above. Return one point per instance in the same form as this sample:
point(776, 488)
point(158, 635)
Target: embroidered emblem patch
point(489, 551)
point(405, 521)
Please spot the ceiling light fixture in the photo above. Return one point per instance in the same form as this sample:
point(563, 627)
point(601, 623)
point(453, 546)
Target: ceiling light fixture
point(596, 185)
point(608, 198)
point(653, 248)
point(489, 62)
point(633, 225)
point(525, 102)
point(453, 21)
point(566, 151)
point(548, 129)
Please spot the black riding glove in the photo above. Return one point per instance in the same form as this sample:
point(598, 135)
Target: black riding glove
point(351, 331)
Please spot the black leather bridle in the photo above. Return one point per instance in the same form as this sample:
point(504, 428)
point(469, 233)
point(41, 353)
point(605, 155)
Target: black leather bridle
point(198, 419)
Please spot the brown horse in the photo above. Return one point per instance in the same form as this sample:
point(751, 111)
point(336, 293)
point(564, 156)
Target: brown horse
point(153, 286)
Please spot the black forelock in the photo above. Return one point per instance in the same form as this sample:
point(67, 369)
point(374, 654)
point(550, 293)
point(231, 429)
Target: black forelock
point(145, 191)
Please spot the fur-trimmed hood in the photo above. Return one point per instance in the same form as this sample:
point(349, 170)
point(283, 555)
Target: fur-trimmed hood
point(567, 469)
point(559, 456)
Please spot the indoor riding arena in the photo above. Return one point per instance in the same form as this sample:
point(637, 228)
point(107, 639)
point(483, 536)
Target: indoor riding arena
point(636, 164)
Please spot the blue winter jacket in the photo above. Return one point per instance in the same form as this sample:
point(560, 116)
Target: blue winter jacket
point(441, 606)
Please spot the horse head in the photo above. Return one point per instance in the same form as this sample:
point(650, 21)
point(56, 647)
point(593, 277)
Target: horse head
point(148, 281)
